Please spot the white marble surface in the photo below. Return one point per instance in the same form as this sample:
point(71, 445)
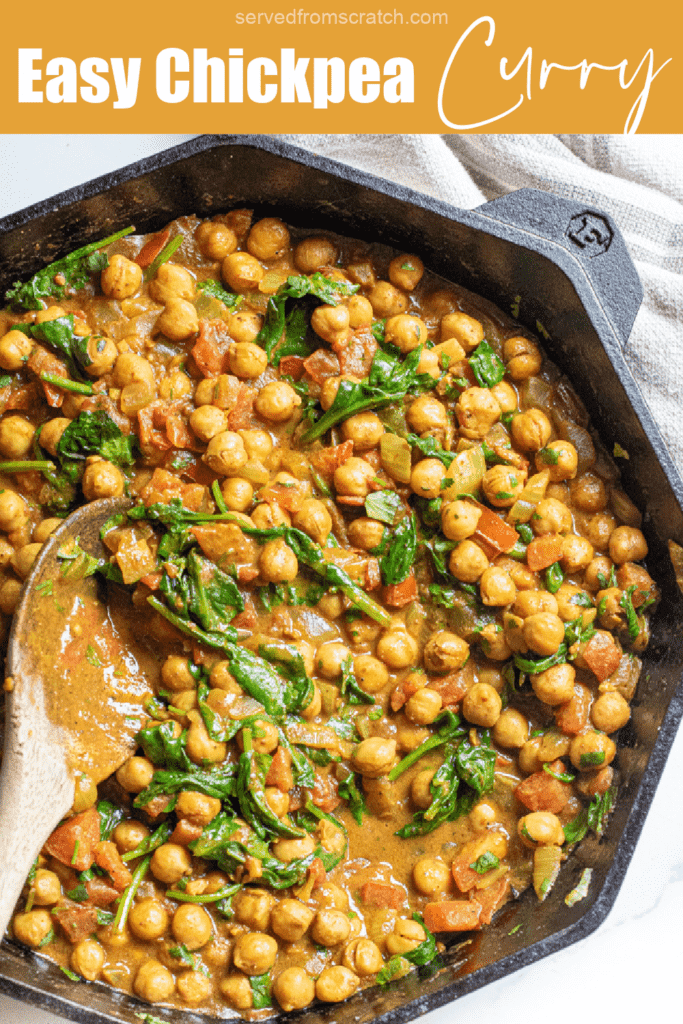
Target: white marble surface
point(628, 970)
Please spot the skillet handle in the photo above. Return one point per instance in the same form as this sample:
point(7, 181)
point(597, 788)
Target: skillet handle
point(589, 236)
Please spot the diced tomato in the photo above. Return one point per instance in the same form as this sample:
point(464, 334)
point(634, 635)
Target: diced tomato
point(572, 718)
point(152, 248)
point(241, 416)
point(248, 618)
point(544, 551)
point(83, 829)
point(464, 876)
point(356, 358)
point(185, 832)
point(152, 580)
point(289, 496)
point(353, 500)
point(163, 486)
point(452, 688)
point(151, 435)
point(325, 793)
point(108, 858)
point(372, 574)
point(22, 397)
point(77, 921)
point(493, 534)
point(317, 872)
point(326, 460)
point(179, 434)
point(280, 771)
point(100, 894)
point(397, 595)
point(157, 805)
point(401, 693)
point(211, 347)
point(382, 894)
point(452, 916)
point(491, 898)
point(43, 361)
point(602, 655)
point(541, 792)
point(292, 366)
point(247, 573)
point(321, 365)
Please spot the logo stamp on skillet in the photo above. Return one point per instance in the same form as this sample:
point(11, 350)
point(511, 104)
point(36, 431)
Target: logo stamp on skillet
point(590, 232)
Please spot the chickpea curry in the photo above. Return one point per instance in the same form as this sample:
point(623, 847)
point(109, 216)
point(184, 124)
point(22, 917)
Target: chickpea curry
point(390, 588)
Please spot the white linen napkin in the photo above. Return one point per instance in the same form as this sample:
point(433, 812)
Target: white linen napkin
point(638, 179)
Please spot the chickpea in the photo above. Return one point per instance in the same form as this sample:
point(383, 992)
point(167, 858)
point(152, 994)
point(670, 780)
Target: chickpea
point(592, 750)
point(268, 238)
point(374, 756)
point(254, 953)
point(406, 272)
point(10, 592)
point(467, 331)
point(360, 311)
point(241, 272)
point(170, 862)
point(51, 433)
point(543, 632)
point(244, 325)
point(522, 357)
point(420, 793)
point(178, 320)
point(247, 359)
point(175, 673)
point(148, 920)
point(424, 706)
point(313, 253)
point(226, 453)
point(206, 421)
point(353, 477)
point(445, 652)
point(588, 493)
point(16, 436)
point(561, 458)
point(87, 959)
point(330, 659)
point(51, 313)
point(191, 926)
point(129, 834)
point(427, 477)
point(102, 479)
point(598, 529)
point(551, 516)
point(468, 562)
point(278, 563)
point(364, 429)
point(153, 982)
point(371, 674)
point(626, 544)
point(288, 850)
point(330, 927)
point(431, 876)
point(427, 415)
point(32, 927)
point(366, 533)
point(496, 587)
point(330, 388)
point(397, 648)
point(277, 401)
point(253, 908)
point(291, 919)
point(610, 712)
point(121, 278)
point(132, 369)
point(135, 774)
point(505, 395)
point(47, 889)
point(577, 553)
point(41, 532)
point(331, 323)
point(238, 494)
point(22, 560)
point(409, 736)
point(15, 348)
point(405, 332)
point(363, 957)
point(406, 936)
point(482, 705)
point(266, 516)
point(236, 989)
point(294, 989)
point(172, 281)
point(502, 485)
point(430, 363)
point(314, 519)
point(531, 430)
point(331, 895)
point(277, 801)
point(13, 511)
point(386, 300)
point(540, 828)
point(555, 685)
point(511, 730)
point(335, 984)
point(193, 987)
point(216, 241)
point(197, 807)
point(102, 353)
point(477, 410)
point(459, 519)
point(264, 739)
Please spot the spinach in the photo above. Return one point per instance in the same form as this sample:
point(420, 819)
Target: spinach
point(550, 456)
point(290, 664)
point(554, 577)
point(160, 836)
point(349, 791)
point(349, 687)
point(75, 270)
point(389, 380)
point(59, 335)
point(260, 991)
point(626, 602)
point(440, 548)
point(251, 795)
point(162, 747)
point(384, 505)
point(486, 366)
point(294, 325)
point(582, 599)
point(94, 433)
point(222, 895)
point(110, 816)
point(216, 843)
point(396, 563)
point(377, 330)
point(431, 448)
point(182, 954)
point(215, 290)
point(607, 582)
point(163, 256)
point(593, 817)
point(560, 776)
point(475, 766)
point(575, 632)
point(532, 666)
point(423, 954)
point(79, 894)
point(449, 729)
point(218, 782)
point(525, 532)
point(487, 862)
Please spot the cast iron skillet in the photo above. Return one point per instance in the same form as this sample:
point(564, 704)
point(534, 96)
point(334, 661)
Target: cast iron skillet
point(573, 275)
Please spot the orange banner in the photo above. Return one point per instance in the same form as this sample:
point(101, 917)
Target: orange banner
point(379, 66)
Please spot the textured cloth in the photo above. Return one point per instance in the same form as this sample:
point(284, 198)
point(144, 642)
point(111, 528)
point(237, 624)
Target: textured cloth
point(636, 179)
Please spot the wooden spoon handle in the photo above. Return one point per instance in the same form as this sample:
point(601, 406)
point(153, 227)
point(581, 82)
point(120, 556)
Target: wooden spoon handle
point(36, 791)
